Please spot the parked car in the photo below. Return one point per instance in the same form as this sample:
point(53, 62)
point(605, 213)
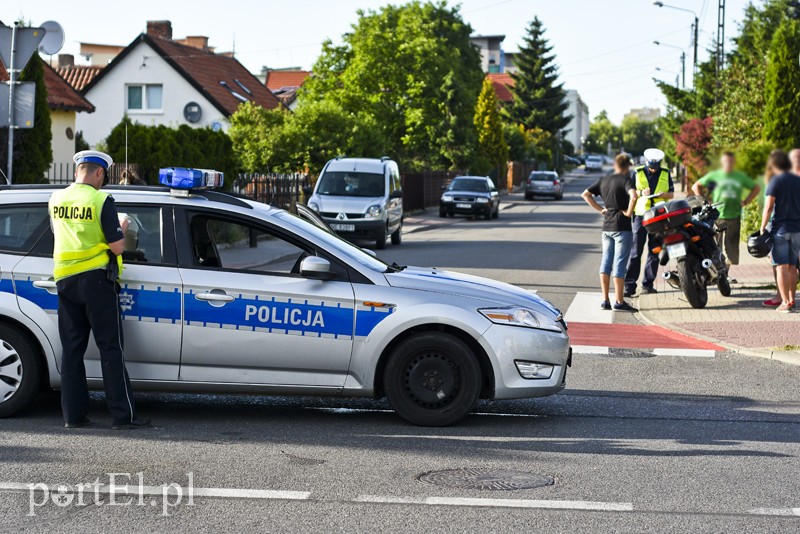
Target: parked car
point(470, 195)
point(544, 183)
point(570, 160)
point(225, 295)
point(361, 199)
point(594, 164)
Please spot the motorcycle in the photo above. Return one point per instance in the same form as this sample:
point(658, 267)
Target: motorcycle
point(689, 236)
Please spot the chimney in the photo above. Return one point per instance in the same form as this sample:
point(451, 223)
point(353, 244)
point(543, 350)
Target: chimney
point(66, 60)
point(159, 28)
point(196, 41)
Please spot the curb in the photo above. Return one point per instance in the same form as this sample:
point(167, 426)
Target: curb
point(646, 313)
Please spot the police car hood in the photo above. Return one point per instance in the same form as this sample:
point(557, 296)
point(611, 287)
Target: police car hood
point(451, 283)
point(343, 204)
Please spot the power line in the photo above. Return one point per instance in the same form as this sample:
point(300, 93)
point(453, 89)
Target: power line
point(628, 47)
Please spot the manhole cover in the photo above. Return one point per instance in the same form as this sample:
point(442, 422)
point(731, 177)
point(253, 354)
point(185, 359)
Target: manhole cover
point(628, 353)
point(486, 479)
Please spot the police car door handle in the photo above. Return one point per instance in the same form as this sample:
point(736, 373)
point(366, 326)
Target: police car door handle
point(214, 297)
point(44, 284)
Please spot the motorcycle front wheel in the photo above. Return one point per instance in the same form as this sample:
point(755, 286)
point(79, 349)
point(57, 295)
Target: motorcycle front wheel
point(695, 291)
point(724, 285)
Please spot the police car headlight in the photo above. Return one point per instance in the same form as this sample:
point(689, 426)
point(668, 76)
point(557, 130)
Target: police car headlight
point(314, 206)
point(374, 211)
point(447, 198)
point(482, 200)
point(516, 316)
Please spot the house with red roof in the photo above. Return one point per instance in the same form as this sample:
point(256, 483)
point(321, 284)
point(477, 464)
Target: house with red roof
point(284, 83)
point(157, 80)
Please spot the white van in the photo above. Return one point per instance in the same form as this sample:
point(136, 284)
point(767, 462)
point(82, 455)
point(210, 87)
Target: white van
point(361, 199)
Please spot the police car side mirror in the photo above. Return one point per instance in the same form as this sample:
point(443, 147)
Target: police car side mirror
point(316, 268)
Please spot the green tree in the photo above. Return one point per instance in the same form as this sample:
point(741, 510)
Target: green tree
point(33, 152)
point(639, 135)
point(602, 134)
point(539, 100)
point(492, 146)
point(411, 70)
point(256, 134)
point(781, 99)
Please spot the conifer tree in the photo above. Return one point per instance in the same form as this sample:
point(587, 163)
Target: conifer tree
point(492, 146)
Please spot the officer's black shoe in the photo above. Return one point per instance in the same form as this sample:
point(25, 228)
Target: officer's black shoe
point(83, 422)
point(136, 423)
point(630, 293)
point(649, 290)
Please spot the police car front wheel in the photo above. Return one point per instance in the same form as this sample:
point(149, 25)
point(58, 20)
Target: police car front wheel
point(432, 379)
point(19, 371)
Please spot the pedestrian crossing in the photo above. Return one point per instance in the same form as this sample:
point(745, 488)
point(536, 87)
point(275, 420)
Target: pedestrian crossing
point(592, 331)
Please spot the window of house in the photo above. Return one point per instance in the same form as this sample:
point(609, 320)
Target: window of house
point(145, 97)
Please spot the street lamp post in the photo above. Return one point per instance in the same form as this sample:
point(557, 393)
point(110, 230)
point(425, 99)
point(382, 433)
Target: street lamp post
point(677, 75)
point(695, 26)
point(683, 60)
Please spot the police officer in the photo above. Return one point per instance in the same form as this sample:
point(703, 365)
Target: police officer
point(89, 240)
point(650, 179)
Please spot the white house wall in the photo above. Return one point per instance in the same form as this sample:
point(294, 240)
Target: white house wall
point(109, 95)
point(63, 146)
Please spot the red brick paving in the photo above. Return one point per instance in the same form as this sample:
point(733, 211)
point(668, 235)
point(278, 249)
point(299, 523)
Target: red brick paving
point(754, 335)
point(626, 336)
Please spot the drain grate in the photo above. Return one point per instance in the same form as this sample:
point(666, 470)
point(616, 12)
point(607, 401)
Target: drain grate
point(486, 479)
point(628, 353)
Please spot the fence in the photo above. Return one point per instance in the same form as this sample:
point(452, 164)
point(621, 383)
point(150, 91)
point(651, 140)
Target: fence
point(279, 190)
point(64, 173)
point(423, 189)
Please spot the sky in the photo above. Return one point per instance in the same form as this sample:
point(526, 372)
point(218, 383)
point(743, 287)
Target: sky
point(604, 49)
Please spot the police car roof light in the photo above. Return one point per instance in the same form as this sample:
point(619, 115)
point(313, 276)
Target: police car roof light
point(184, 179)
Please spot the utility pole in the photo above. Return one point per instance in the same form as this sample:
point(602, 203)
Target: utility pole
point(683, 69)
point(720, 47)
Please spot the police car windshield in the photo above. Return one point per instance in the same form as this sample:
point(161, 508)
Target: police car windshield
point(346, 248)
point(352, 184)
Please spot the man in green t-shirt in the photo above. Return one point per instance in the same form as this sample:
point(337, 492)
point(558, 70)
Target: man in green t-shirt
point(727, 185)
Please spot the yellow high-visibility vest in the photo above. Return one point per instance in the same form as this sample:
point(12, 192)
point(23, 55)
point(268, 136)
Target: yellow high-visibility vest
point(644, 204)
point(79, 242)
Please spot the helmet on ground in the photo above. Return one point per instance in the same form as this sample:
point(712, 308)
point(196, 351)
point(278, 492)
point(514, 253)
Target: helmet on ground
point(759, 245)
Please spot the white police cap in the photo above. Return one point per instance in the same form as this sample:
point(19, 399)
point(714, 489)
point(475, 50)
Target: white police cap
point(654, 154)
point(93, 156)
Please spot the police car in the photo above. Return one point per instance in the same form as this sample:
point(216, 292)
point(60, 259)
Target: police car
point(223, 294)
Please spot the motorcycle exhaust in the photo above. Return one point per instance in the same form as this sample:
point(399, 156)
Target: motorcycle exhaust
point(710, 267)
point(707, 264)
point(673, 279)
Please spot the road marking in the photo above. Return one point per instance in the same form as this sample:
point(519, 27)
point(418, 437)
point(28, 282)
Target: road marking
point(691, 353)
point(589, 349)
point(227, 493)
point(499, 503)
point(585, 308)
point(776, 511)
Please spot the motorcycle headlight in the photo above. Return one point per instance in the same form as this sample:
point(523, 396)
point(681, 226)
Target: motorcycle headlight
point(374, 211)
point(518, 316)
point(447, 198)
point(314, 206)
point(482, 200)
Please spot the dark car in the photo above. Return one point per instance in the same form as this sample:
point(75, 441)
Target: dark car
point(470, 195)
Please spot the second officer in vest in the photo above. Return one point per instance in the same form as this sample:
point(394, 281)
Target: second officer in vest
point(651, 179)
point(88, 243)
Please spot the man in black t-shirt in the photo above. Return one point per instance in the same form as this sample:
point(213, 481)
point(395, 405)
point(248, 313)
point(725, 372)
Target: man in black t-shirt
point(619, 196)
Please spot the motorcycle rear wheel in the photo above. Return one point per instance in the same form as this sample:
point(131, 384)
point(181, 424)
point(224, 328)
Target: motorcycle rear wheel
point(696, 292)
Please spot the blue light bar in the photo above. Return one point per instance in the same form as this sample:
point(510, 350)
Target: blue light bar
point(186, 179)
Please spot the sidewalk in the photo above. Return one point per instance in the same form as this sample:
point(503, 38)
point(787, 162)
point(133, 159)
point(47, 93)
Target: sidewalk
point(739, 323)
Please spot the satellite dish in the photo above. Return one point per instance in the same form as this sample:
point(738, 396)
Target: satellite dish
point(53, 37)
point(192, 112)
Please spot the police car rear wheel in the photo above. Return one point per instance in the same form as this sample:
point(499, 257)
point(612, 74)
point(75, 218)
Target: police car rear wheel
point(432, 379)
point(19, 371)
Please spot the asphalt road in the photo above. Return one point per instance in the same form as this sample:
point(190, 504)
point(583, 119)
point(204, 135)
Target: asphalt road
point(635, 444)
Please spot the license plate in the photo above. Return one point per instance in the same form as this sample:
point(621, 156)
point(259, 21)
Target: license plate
point(463, 206)
point(344, 227)
point(678, 250)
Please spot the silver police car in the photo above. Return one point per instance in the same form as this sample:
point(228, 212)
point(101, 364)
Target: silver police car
point(222, 294)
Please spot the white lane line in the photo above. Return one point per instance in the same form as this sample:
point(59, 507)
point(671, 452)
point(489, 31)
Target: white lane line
point(499, 503)
point(691, 353)
point(585, 308)
point(105, 489)
point(776, 511)
point(589, 349)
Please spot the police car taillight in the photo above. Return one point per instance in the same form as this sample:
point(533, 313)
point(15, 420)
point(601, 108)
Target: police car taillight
point(182, 179)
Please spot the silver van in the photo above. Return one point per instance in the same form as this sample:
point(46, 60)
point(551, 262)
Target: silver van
point(361, 199)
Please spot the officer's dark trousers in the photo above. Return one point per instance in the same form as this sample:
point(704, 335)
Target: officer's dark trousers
point(89, 302)
point(640, 238)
